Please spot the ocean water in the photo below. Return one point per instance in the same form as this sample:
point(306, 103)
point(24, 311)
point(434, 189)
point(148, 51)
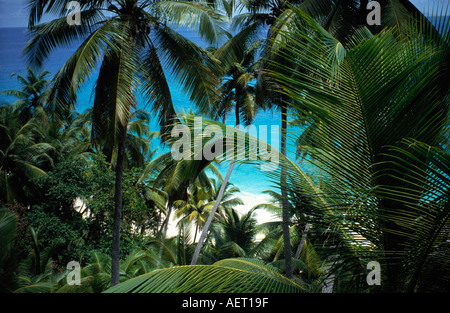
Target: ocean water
point(250, 180)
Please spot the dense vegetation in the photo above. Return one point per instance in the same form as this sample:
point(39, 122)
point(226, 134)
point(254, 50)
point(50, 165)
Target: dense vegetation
point(370, 179)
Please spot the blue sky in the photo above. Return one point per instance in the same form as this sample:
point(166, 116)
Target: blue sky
point(13, 12)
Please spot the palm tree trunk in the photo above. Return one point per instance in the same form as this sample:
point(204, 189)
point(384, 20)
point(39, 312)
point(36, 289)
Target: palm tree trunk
point(202, 238)
point(166, 225)
point(195, 234)
point(7, 193)
point(115, 260)
point(328, 283)
point(302, 242)
point(211, 215)
point(284, 199)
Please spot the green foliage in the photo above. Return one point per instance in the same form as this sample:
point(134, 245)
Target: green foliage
point(372, 104)
point(233, 236)
point(140, 215)
point(8, 224)
point(22, 157)
point(378, 107)
point(230, 275)
point(32, 94)
point(52, 228)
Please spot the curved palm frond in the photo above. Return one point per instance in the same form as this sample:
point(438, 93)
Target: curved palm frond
point(233, 275)
point(197, 15)
point(365, 99)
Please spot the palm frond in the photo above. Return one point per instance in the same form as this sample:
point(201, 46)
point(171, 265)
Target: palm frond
point(80, 66)
point(193, 14)
point(46, 37)
point(234, 275)
point(191, 65)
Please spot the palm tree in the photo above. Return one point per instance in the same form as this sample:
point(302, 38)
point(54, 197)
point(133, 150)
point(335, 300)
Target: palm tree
point(173, 179)
point(377, 135)
point(195, 209)
point(340, 18)
point(32, 94)
point(200, 202)
point(173, 251)
point(233, 236)
point(23, 159)
point(236, 92)
point(383, 185)
point(300, 210)
point(138, 150)
point(8, 257)
point(69, 137)
point(127, 39)
point(263, 16)
point(229, 199)
point(36, 272)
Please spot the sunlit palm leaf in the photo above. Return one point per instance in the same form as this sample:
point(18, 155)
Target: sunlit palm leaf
point(195, 15)
point(190, 65)
point(364, 98)
point(232, 275)
point(46, 37)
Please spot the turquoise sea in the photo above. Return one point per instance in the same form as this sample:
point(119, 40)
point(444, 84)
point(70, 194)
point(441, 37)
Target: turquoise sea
point(250, 180)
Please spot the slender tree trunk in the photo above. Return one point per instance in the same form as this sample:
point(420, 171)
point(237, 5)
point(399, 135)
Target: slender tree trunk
point(302, 242)
point(202, 238)
point(37, 252)
point(7, 192)
point(115, 260)
point(284, 199)
point(236, 114)
point(195, 234)
point(166, 225)
point(328, 283)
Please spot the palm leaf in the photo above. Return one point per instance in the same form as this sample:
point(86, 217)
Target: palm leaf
point(80, 66)
point(193, 14)
point(8, 223)
point(191, 66)
point(342, 89)
point(114, 94)
point(228, 276)
point(156, 89)
point(46, 37)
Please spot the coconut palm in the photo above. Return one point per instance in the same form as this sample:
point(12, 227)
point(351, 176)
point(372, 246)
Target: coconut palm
point(195, 209)
point(369, 134)
point(200, 202)
point(95, 275)
point(138, 150)
point(236, 92)
point(173, 179)
point(69, 137)
point(173, 251)
point(130, 40)
point(300, 210)
point(8, 257)
point(340, 18)
point(229, 199)
point(32, 94)
point(23, 159)
point(378, 111)
point(233, 235)
point(36, 272)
